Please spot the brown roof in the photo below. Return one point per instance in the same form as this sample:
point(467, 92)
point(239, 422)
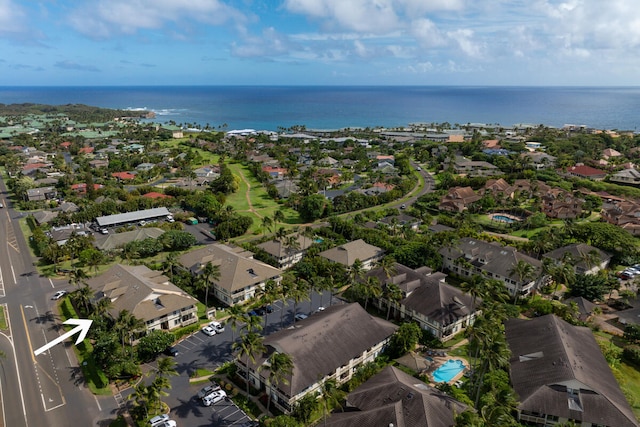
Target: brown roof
point(279, 248)
point(393, 397)
point(548, 355)
point(145, 293)
point(348, 253)
point(325, 341)
point(238, 269)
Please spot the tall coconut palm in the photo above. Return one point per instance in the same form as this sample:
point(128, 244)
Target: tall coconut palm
point(280, 370)
point(127, 324)
point(298, 293)
point(248, 347)
point(278, 216)
point(236, 315)
point(330, 397)
point(253, 323)
point(267, 224)
point(393, 294)
point(209, 272)
point(170, 264)
point(523, 271)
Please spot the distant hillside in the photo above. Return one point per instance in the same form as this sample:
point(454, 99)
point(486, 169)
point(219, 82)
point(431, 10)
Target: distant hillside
point(77, 112)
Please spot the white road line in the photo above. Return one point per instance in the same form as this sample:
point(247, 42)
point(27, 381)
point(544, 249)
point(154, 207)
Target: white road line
point(97, 403)
point(15, 358)
point(51, 281)
point(13, 273)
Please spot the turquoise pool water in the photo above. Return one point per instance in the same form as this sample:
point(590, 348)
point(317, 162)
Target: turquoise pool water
point(448, 370)
point(318, 240)
point(502, 218)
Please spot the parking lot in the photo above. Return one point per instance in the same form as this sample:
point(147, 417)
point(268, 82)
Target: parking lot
point(200, 351)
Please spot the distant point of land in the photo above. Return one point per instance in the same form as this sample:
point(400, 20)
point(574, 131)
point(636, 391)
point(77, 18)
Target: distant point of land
point(78, 112)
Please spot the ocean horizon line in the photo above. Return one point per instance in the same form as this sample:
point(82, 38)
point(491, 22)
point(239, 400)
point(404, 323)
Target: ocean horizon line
point(328, 86)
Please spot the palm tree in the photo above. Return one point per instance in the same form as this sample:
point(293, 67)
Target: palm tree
point(278, 216)
point(299, 292)
point(253, 323)
point(169, 264)
point(127, 324)
point(281, 234)
point(329, 394)
point(77, 276)
point(393, 294)
point(83, 296)
point(590, 259)
point(248, 347)
point(280, 369)
point(372, 289)
point(356, 271)
point(388, 266)
point(166, 367)
point(267, 223)
point(209, 272)
point(236, 315)
point(523, 271)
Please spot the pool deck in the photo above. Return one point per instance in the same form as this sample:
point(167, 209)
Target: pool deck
point(439, 361)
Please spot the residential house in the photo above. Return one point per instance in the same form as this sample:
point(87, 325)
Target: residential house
point(540, 160)
point(558, 203)
point(585, 258)
point(134, 148)
point(99, 163)
point(123, 176)
point(560, 375)
point(81, 188)
point(402, 221)
point(331, 344)
point(395, 398)
point(624, 214)
point(211, 172)
point(585, 307)
point(284, 253)
point(626, 176)
point(499, 189)
point(145, 167)
point(155, 195)
point(608, 153)
point(146, 294)
point(275, 172)
point(348, 253)
point(458, 199)
point(427, 299)
point(41, 193)
point(241, 276)
point(584, 172)
point(472, 256)
point(475, 168)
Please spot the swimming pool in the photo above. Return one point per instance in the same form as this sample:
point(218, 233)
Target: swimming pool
point(447, 371)
point(502, 218)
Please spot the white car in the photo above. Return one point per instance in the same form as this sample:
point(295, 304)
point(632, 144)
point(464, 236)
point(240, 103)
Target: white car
point(168, 423)
point(214, 397)
point(219, 327)
point(58, 295)
point(208, 390)
point(208, 330)
point(159, 420)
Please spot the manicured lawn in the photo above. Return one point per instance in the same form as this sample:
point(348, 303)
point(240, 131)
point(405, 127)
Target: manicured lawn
point(3, 319)
point(631, 386)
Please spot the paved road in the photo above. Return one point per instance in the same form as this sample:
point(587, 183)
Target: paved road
point(44, 390)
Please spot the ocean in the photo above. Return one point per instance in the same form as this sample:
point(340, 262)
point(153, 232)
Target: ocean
point(335, 107)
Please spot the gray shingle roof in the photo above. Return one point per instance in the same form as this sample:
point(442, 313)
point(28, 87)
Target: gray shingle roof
point(238, 269)
point(279, 249)
point(392, 396)
point(113, 241)
point(145, 293)
point(547, 356)
point(323, 342)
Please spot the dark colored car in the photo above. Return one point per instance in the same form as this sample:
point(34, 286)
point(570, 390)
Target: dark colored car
point(171, 351)
point(260, 311)
point(253, 313)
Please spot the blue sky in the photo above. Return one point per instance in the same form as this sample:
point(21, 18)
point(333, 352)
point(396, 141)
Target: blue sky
point(320, 42)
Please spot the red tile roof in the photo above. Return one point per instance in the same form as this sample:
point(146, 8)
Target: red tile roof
point(123, 175)
point(156, 195)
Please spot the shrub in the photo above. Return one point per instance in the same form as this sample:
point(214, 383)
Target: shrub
point(631, 354)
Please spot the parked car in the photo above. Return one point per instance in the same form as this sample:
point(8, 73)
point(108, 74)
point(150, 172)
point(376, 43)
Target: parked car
point(219, 327)
point(253, 313)
point(205, 391)
point(301, 316)
point(403, 206)
point(208, 330)
point(156, 421)
point(321, 308)
point(58, 295)
point(171, 351)
point(214, 397)
point(104, 231)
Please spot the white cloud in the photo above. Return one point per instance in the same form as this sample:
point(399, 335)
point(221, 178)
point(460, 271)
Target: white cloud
point(105, 18)
point(11, 17)
point(269, 44)
point(465, 40)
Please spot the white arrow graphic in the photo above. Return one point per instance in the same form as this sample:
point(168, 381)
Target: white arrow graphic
point(83, 328)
